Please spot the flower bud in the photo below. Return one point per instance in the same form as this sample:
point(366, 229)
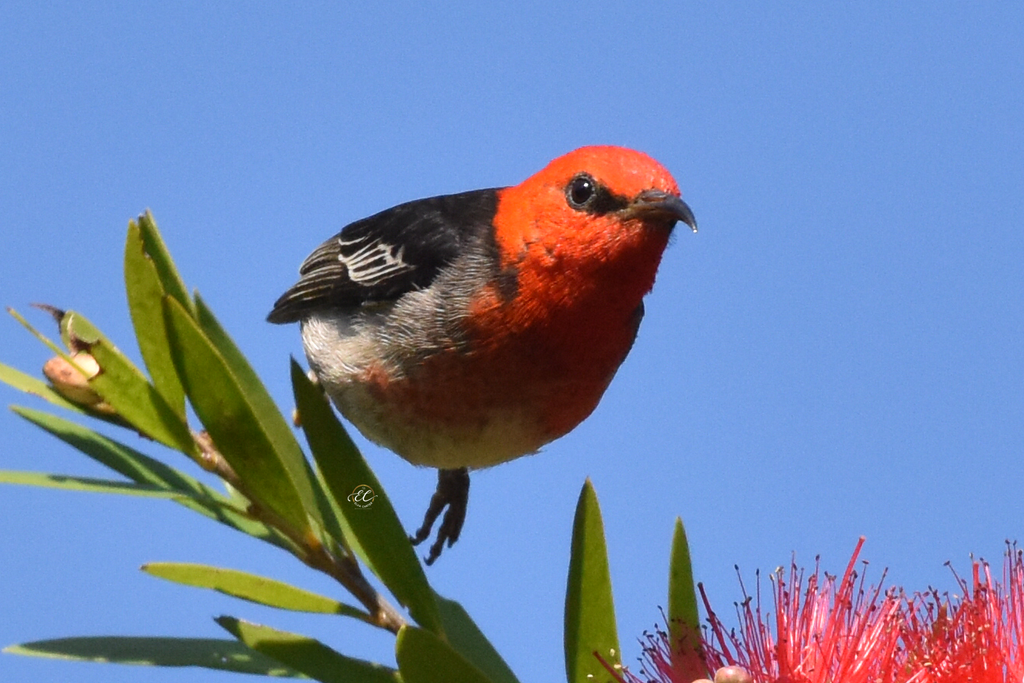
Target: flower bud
point(733, 674)
point(70, 382)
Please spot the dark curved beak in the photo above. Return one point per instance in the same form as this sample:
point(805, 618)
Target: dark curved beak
point(658, 204)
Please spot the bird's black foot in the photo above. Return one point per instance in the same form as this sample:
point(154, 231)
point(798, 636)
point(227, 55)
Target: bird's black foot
point(453, 492)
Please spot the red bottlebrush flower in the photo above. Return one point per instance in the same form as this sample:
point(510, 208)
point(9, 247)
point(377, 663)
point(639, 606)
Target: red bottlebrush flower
point(1012, 633)
point(825, 631)
point(829, 630)
point(977, 637)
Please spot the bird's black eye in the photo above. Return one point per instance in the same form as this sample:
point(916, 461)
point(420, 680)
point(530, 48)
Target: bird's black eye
point(581, 190)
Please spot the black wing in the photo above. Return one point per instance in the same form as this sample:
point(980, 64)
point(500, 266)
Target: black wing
point(382, 257)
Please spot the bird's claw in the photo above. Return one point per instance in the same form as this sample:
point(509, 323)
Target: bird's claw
point(452, 492)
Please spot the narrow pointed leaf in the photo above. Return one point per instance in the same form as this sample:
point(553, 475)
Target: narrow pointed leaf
point(145, 470)
point(71, 483)
point(250, 587)
point(234, 359)
point(208, 653)
point(269, 462)
point(145, 303)
point(375, 532)
point(117, 456)
point(227, 513)
point(269, 414)
point(589, 609)
point(331, 513)
point(154, 246)
point(234, 512)
point(337, 463)
point(683, 619)
point(128, 391)
point(264, 405)
point(309, 656)
point(425, 658)
point(466, 638)
point(36, 333)
point(206, 507)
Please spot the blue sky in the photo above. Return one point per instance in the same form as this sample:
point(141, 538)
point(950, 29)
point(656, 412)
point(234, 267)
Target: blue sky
point(838, 352)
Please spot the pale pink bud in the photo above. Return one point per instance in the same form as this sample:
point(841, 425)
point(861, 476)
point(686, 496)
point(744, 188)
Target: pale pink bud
point(72, 382)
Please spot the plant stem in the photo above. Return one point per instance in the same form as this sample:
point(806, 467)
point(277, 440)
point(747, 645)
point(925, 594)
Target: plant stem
point(342, 568)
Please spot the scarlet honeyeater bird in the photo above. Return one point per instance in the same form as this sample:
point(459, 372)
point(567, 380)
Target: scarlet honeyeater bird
point(466, 330)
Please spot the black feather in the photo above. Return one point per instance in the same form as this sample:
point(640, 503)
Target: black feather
point(382, 257)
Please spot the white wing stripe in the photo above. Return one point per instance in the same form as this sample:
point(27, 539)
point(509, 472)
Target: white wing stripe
point(373, 262)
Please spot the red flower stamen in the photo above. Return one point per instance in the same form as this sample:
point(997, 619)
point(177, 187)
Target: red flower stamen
point(829, 630)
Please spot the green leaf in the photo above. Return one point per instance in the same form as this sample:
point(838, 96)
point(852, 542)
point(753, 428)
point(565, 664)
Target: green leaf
point(250, 587)
point(208, 508)
point(153, 245)
point(37, 334)
point(683, 620)
point(589, 610)
point(682, 598)
point(466, 638)
point(122, 459)
point(208, 653)
point(230, 515)
point(332, 515)
point(235, 360)
point(63, 481)
point(145, 303)
point(211, 509)
point(425, 658)
point(333, 452)
point(145, 470)
point(128, 391)
point(307, 655)
point(258, 445)
point(269, 414)
point(375, 533)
